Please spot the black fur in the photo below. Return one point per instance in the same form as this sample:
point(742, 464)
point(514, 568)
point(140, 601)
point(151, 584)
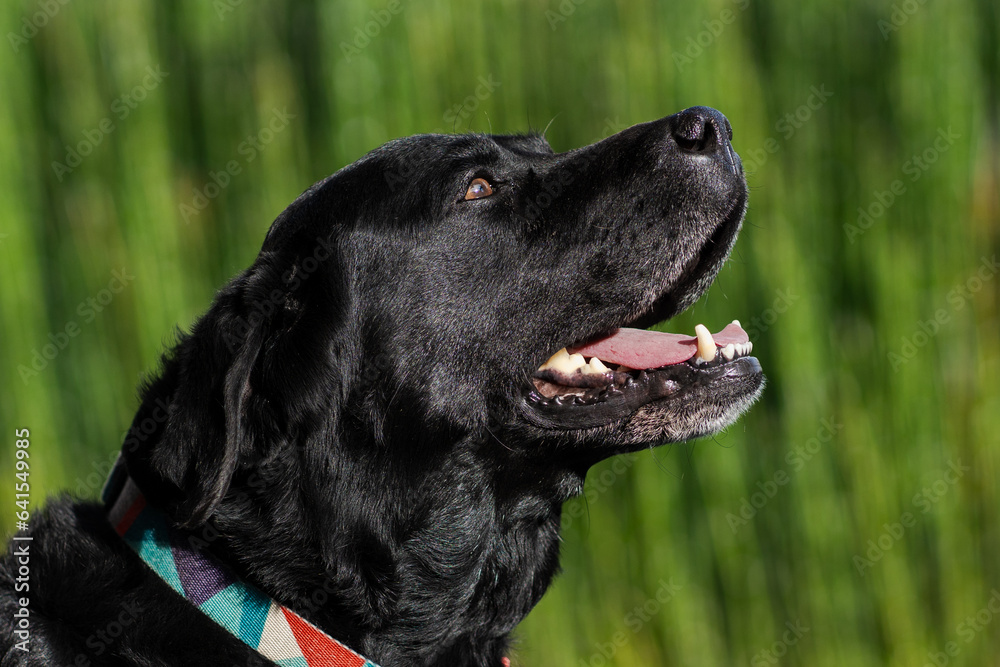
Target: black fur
point(347, 426)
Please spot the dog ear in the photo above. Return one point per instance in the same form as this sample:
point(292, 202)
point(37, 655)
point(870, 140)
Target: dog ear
point(193, 428)
point(215, 478)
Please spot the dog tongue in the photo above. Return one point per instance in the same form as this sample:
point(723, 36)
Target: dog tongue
point(638, 348)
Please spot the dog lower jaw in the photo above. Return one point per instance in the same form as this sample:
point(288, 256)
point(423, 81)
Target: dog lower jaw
point(676, 402)
point(653, 423)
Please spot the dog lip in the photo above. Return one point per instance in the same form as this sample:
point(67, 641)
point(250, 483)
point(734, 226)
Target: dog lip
point(573, 412)
point(569, 375)
point(639, 348)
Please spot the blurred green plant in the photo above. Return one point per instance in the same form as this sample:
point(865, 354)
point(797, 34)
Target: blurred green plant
point(145, 148)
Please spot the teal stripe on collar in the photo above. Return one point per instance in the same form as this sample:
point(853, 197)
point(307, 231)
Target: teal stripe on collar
point(274, 631)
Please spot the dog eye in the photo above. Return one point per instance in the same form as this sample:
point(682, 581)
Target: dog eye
point(478, 188)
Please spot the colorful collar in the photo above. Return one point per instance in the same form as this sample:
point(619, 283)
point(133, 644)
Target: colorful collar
point(274, 631)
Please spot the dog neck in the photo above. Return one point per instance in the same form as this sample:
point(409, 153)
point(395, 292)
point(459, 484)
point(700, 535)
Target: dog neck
point(272, 630)
point(411, 561)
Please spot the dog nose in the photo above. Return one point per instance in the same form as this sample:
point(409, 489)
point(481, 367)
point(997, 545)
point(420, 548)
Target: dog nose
point(703, 130)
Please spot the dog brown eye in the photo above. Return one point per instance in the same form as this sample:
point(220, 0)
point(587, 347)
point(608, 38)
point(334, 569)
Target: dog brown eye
point(478, 188)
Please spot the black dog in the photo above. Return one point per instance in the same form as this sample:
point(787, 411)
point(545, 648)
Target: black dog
point(365, 426)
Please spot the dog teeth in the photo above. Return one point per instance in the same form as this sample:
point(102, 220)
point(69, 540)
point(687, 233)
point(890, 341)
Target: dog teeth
point(596, 366)
point(567, 364)
point(743, 349)
point(706, 344)
point(563, 362)
point(556, 361)
point(737, 323)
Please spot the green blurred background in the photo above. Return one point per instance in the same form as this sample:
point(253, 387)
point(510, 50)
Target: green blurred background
point(851, 518)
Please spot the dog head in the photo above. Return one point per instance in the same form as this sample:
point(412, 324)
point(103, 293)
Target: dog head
point(416, 293)
point(392, 339)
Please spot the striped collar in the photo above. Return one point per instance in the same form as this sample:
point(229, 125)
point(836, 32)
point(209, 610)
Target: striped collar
point(274, 631)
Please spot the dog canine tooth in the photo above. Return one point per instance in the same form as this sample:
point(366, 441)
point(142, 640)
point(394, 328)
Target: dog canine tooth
point(706, 344)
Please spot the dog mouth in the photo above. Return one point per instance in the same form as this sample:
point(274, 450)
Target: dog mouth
point(585, 372)
point(607, 378)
